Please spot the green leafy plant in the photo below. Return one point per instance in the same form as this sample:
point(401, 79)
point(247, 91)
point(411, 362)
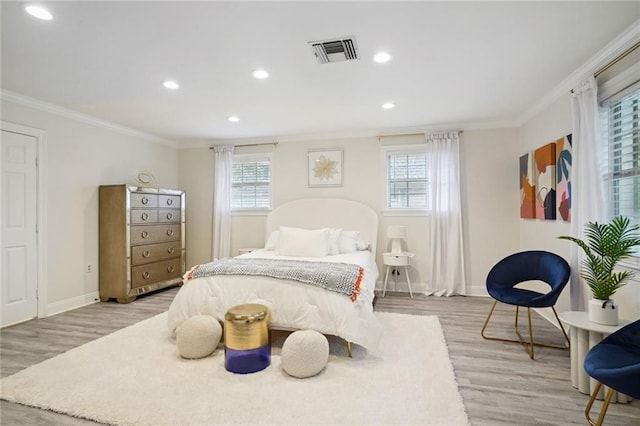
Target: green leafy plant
point(606, 244)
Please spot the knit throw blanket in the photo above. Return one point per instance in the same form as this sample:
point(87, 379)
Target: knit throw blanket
point(344, 278)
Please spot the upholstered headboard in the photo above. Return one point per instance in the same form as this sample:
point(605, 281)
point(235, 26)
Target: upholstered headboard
point(315, 213)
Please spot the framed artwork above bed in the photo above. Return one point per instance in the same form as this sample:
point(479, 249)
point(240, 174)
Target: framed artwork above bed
point(325, 168)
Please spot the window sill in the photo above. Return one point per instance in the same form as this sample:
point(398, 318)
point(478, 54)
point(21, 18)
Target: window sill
point(250, 212)
point(401, 213)
point(631, 264)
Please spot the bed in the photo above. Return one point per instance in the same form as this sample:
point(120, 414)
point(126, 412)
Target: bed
point(295, 305)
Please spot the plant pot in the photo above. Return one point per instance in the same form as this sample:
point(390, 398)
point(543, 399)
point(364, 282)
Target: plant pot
point(603, 312)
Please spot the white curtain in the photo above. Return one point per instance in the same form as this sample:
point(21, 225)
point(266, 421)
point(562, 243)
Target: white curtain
point(587, 197)
point(221, 238)
point(446, 272)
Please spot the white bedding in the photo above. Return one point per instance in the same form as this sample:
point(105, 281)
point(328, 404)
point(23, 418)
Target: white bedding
point(293, 305)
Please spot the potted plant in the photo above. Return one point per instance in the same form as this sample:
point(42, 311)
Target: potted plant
point(606, 244)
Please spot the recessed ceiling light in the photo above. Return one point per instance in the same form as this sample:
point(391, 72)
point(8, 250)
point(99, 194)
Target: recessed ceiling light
point(39, 12)
point(260, 74)
point(388, 105)
point(170, 84)
point(382, 57)
point(233, 119)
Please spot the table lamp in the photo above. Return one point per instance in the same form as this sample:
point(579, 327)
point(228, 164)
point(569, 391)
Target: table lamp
point(396, 234)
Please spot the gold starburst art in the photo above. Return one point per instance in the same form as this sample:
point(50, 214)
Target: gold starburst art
point(325, 168)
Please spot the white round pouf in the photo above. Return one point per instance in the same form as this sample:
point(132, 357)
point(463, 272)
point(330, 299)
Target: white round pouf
point(198, 336)
point(304, 353)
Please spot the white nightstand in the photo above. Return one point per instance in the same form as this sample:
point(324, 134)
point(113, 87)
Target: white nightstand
point(246, 250)
point(392, 261)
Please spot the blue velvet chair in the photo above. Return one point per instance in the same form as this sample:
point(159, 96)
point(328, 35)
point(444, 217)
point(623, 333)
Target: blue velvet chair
point(615, 362)
point(527, 266)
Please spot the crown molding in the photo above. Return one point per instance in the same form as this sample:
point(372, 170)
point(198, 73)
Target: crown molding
point(630, 36)
point(22, 100)
point(352, 134)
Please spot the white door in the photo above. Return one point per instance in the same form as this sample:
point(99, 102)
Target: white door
point(18, 157)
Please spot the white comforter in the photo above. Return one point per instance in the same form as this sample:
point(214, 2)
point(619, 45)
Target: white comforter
point(293, 305)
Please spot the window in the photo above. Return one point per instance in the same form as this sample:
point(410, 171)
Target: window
point(622, 178)
point(251, 183)
point(407, 179)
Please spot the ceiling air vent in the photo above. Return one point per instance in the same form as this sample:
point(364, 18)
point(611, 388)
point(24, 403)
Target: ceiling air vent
point(335, 50)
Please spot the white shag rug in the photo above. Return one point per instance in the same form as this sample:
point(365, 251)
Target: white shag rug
point(136, 377)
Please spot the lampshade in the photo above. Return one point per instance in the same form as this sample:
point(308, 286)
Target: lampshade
point(396, 232)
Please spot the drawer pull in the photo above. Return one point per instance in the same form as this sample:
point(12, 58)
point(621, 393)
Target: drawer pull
point(145, 216)
point(170, 269)
point(169, 216)
point(144, 234)
point(145, 200)
point(170, 250)
point(146, 253)
point(169, 201)
point(169, 232)
point(145, 274)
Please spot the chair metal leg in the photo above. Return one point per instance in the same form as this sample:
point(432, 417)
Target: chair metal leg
point(528, 346)
point(605, 405)
point(349, 349)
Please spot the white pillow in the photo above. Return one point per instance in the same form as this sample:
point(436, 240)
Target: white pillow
point(361, 245)
point(272, 241)
point(349, 241)
point(303, 242)
point(334, 241)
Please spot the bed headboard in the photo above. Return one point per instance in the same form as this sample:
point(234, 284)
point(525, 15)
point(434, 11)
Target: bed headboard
point(315, 213)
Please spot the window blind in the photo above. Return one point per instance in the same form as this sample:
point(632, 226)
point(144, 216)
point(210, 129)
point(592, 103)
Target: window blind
point(623, 169)
point(251, 184)
point(407, 180)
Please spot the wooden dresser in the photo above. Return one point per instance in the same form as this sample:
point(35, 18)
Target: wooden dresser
point(142, 240)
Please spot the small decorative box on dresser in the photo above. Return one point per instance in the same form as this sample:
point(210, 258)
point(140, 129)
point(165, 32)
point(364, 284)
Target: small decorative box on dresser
point(142, 240)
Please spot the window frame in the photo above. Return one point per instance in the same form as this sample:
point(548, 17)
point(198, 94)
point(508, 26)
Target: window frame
point(251, 158)
point(389, 150)
point(609, 175)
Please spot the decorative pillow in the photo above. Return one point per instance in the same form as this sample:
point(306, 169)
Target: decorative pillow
point(361, 245)
point(305, 353)
point(198, 336)
point(349, 241)
point(334, 241)
point(272, 241)
point(303, 242)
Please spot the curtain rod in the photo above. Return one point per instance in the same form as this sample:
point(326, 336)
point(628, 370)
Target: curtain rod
point(409, 134)
point(251, 144)
point(617, 59)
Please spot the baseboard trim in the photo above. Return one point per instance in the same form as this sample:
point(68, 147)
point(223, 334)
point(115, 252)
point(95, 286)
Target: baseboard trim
point(72, 303)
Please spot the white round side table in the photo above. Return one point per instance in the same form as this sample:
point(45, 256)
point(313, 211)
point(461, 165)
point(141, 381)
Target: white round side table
point(585, 335)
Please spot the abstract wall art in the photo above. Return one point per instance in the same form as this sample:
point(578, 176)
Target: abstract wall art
point(545, 168)
point(563, 177)
point(527, 187)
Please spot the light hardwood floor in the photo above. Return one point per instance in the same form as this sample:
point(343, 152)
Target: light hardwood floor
point(500, 385)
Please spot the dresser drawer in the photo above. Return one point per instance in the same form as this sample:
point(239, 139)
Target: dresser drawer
point(150, 234)
point(169, 201)
point(150, 253)
point(154, 272)
point(141, 199)
point(169, 215)
point(144, 216)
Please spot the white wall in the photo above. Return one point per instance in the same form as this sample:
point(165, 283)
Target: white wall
point(80, 157)
point(551, 124)
point(490, 199)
